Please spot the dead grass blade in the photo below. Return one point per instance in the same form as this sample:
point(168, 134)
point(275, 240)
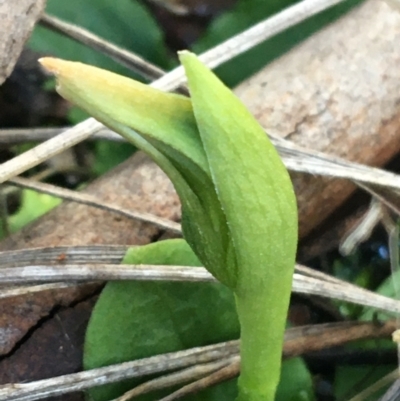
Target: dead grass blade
point(23, 135)
point(298, 340)
point(91, 200)
point(225, 373)
point(323, 286)
point(114, 373)
point(121, 56)
point(174, 379)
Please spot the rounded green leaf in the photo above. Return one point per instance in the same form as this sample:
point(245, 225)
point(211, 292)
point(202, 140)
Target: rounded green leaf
point(133, 320)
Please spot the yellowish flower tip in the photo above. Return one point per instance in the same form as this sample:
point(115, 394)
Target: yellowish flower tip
point(60, 67)
point(51, 64)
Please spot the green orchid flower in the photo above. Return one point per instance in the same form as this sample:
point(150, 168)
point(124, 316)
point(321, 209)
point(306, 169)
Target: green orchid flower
point(239, 210)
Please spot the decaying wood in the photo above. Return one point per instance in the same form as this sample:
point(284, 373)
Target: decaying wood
point(338, 92)
point(17, 19)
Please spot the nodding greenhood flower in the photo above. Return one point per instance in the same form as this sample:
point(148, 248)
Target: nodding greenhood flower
point(238, 206)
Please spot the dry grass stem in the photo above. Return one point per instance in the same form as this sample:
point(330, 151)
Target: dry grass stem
point(363, 230)
point(324, 287)
point(379, 384)
point(48, 149)
point(16, 291)
point(298, 340)
point(174, 379)
point(91, 200)
point(297, 158)
point(114, 373)
point(121, 56)
point(64, 254)
point(23, 135)
point(393, 393)
point(228, 372)
point(90, 263)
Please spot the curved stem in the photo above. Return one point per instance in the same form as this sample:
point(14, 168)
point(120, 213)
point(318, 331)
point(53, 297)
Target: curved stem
point(262, 319)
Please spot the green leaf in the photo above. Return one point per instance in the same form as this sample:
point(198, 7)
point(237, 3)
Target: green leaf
point(253, 186)
point(134, 320)
point(296, 382)
point(109, 155)
point(257, 199)
point(33, 206)
point(351, 380)
point(178, 316)
point(388, 288)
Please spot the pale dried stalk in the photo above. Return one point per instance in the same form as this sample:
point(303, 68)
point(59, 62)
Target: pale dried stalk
point(363, 229)
point(174, 379)
point(393, 393)
point(22, 135)
point(325, 286)
point(225, 373)
point(177, 360)
point(121, 56)
point(48, 149)
point(111, 374)
point(297, 158)
point(77, 263)
point(91, 200)
point(17, 291)
point(320, 164)
point(378, 385)
point(58, 254)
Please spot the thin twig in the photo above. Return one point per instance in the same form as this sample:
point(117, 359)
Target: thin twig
point(85, 254)
point(379, 384)
point(393, 393)
point(114, 373)
point(347, 293)
point(103, 272)
point(295, 158)
point(77, 263)
point(91, 200)
point(48, 149)
point(174, 379)
point(226, 373)
point(184, 359)
point(335, 289)
point(121, 56)
point(10, 292)
point(23, 135)
point(362, 231)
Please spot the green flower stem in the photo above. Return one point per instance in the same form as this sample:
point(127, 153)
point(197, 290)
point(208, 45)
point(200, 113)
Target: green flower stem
point(239, 212)
point(260, 347)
